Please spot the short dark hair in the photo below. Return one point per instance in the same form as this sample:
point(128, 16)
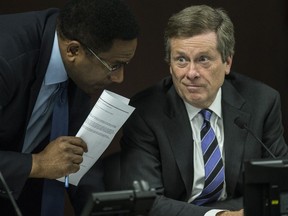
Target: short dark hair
point(96, 23)
point(199, 19)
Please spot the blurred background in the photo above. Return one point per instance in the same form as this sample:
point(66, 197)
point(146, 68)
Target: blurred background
point(261, 30)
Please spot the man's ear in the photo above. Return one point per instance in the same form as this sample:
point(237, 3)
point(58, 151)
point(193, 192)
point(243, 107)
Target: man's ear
point(73, 48)
point(228, 64)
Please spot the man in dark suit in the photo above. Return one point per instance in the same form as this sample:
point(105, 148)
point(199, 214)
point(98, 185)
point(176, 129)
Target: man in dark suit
point(192, 113)
point(87, 43)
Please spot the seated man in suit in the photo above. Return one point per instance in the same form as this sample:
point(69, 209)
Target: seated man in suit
point(79, 49)
point(182, 138)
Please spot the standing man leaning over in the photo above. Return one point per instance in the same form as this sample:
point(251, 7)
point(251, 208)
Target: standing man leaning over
point(87, 43)
point(192, 112)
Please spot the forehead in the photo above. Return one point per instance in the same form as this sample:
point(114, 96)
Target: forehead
point(202, 42)
point(122, 48)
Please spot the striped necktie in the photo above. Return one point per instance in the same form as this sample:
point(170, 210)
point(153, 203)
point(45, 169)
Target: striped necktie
point(213, 163)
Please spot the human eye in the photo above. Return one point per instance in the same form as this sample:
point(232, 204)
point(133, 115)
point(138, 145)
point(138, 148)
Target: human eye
point(119, 65)
point(203, 59)
point(116, 67)
point(181, 61)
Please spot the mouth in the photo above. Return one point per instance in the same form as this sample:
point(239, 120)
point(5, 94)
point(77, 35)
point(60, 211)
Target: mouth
point(193, 87)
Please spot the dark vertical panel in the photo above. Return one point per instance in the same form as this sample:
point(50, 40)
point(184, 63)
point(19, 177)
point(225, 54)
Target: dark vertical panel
point(261, 30)
point(261, 41)
point(13, 6)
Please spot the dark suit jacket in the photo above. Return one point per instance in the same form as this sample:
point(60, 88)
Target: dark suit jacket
point(157, 143)
point(26, 41)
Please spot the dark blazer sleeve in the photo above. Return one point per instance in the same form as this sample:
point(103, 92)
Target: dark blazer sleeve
point(26, 41)
point(14, 165)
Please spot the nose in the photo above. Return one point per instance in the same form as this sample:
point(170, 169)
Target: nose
point(117, 76)
point(192, 72)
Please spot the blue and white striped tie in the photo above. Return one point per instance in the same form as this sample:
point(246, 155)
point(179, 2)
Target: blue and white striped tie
point(213, 163)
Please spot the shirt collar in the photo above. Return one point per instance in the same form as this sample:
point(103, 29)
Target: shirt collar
point(215, 106)
point(56, 72)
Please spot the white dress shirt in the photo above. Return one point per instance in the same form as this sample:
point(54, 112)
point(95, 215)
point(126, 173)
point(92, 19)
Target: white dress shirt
point(196, 121)
point(38, 127)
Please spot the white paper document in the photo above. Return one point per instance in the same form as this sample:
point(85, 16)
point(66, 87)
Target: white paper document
point(105, 119)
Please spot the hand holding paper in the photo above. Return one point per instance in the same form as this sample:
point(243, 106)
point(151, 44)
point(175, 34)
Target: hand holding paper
point(105, 119)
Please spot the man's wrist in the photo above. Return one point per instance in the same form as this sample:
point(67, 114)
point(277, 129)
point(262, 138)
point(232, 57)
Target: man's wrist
point(222, 213)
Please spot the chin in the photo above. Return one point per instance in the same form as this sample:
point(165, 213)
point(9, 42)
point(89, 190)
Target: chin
point(93, 91)
point(195, 101)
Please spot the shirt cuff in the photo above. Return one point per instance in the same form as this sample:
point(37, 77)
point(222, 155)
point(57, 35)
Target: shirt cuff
point(213, 212)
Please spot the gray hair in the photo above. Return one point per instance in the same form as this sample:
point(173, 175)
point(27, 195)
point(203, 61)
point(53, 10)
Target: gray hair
point(200, 19)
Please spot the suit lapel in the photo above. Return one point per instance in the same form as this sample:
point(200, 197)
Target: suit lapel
point(178, 127)
point(234, 137)
point(41, 67)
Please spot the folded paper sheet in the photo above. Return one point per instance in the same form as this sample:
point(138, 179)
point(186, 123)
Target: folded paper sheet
point(105, 119)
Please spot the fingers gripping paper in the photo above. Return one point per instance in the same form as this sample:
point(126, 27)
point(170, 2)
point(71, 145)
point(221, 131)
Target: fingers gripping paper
point(105, 119)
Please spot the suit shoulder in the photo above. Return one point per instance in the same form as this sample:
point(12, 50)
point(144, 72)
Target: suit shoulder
point(244, 83)
point(26, 28)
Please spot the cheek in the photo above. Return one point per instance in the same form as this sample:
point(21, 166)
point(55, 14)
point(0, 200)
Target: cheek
point(217, 79)
point(89, 73)
point(177, 73)
point(83, 77)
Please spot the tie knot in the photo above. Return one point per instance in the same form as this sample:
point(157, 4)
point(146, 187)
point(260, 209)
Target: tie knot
point(63, 84)
point(206, 113)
